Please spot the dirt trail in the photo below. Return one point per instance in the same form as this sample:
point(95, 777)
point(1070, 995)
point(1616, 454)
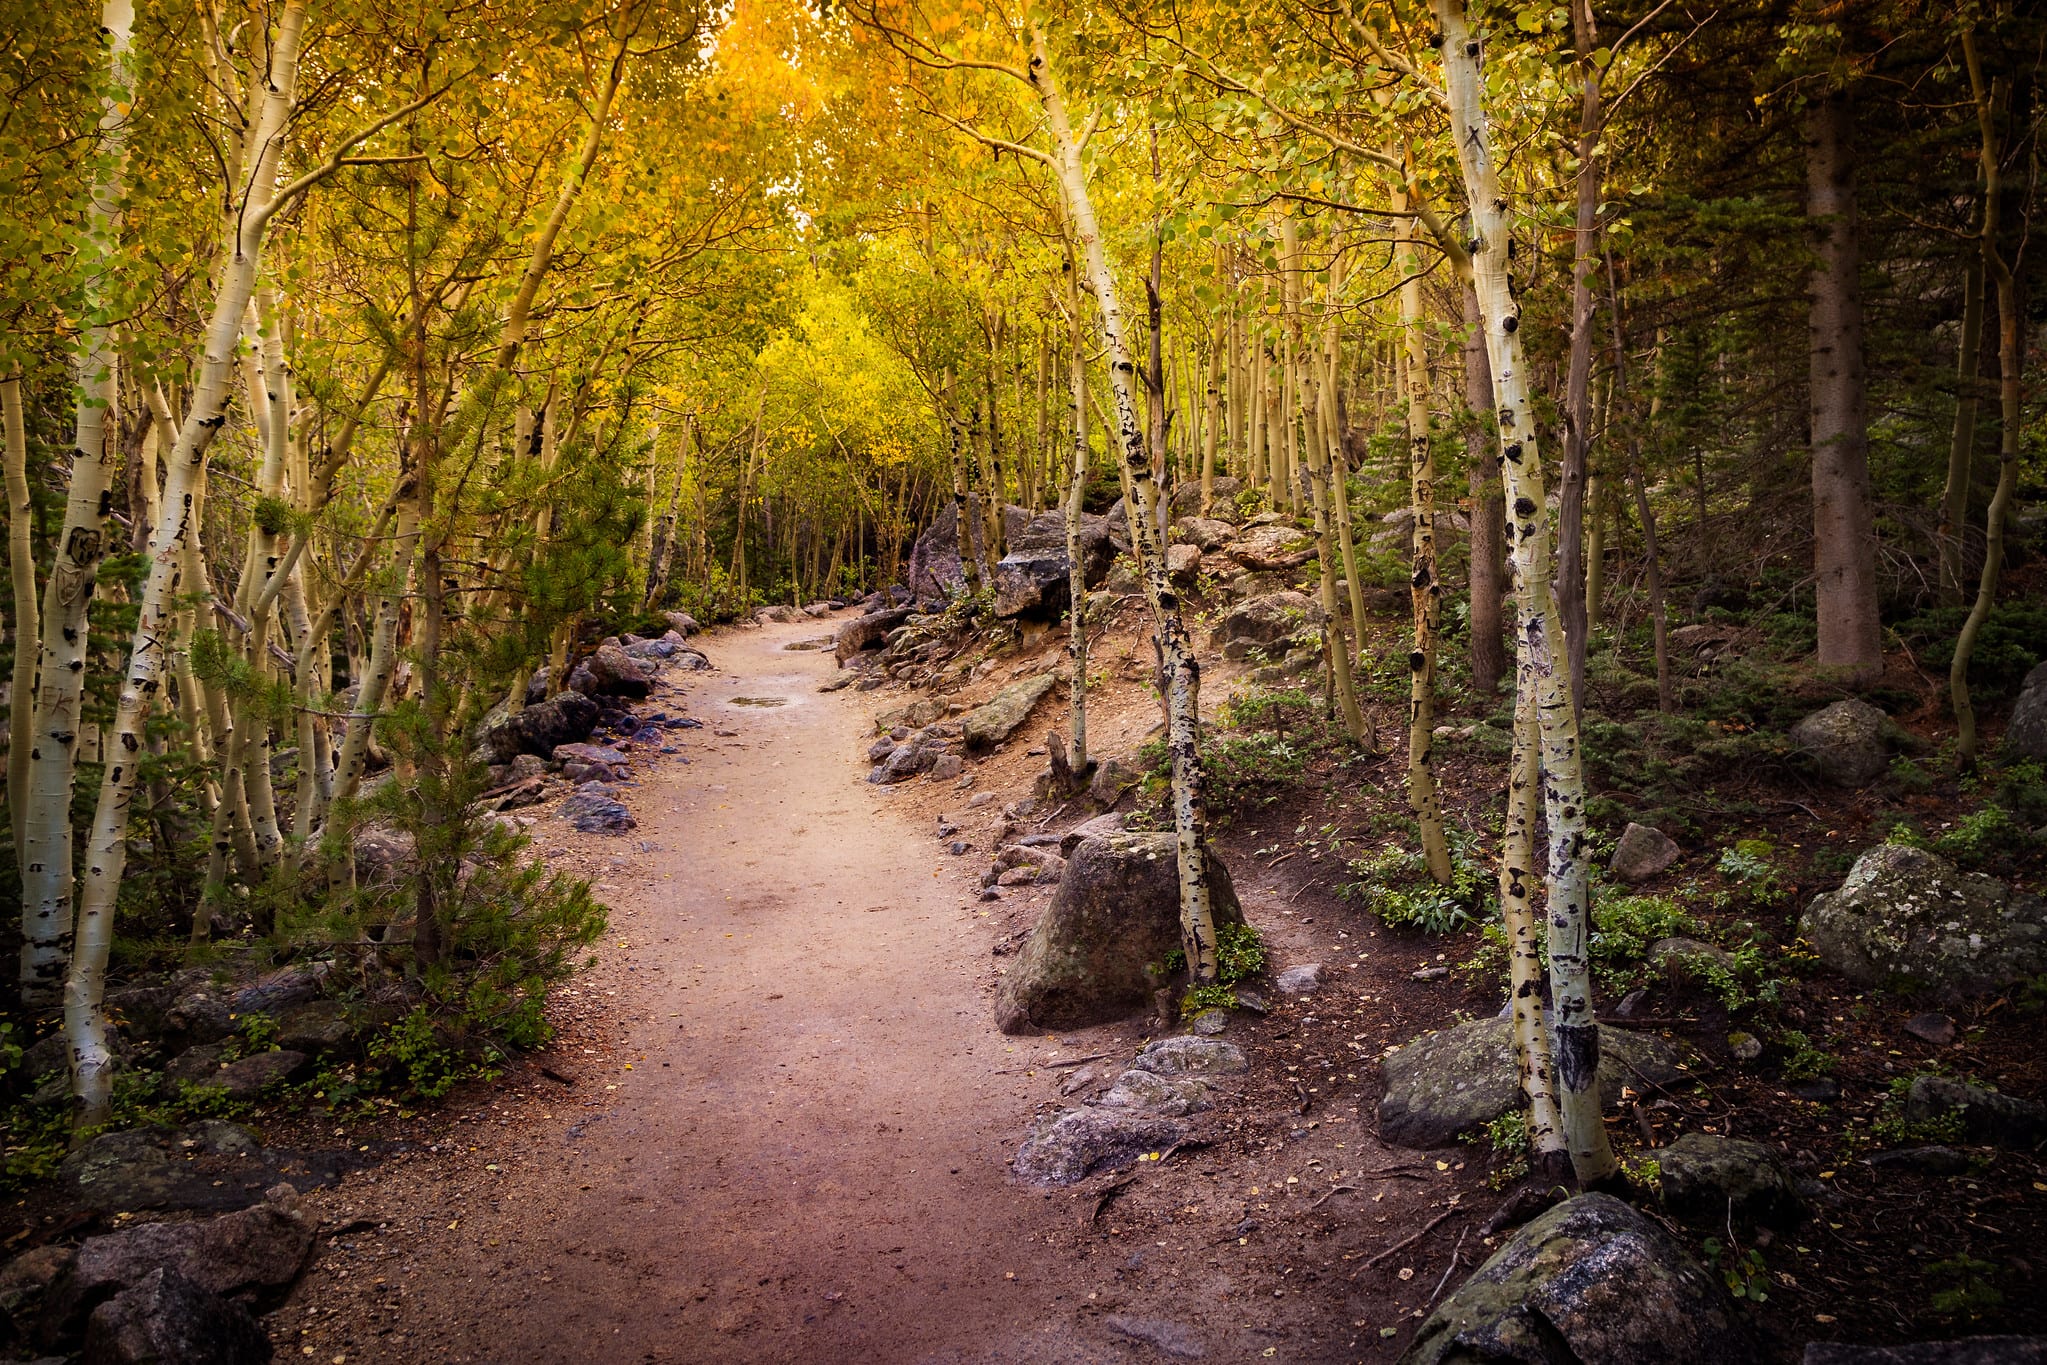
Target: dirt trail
point(804, 1155)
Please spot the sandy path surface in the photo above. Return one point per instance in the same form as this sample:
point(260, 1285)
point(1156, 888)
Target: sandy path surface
point(797, 1149)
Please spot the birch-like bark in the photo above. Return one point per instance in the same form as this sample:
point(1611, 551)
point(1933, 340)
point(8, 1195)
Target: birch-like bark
point(1182, 674)
point(962, 492)
point(1426, 590)
point(21, 567)
point(45, 840)
point(1076, 490)
point(1573, 476)
point(1575, 1032)
point(1524, 947)
point(1339, 471)
point(1954, 498)
point(1336, 650)
point(85, 1023)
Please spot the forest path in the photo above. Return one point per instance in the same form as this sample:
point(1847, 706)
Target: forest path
point(807, 1159)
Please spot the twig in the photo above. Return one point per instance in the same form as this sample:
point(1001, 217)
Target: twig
point(1450, 1270)
point(1281, 858)
point(1335, 1190)
point(1091, 1057)
point(1109, 1193)
point(1409, 1241)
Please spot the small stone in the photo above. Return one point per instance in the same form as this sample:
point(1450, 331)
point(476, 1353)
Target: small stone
point(1929, 1160)
point(1080, 1142)
point(1209, 1023)
point(1155, 1094)
point(1172, 1338)
point(991, 894)
point(1304, 979)
point(1709, 1179)
point(1846, 743)
point(1185, 1056)
point(947, 767)
point(1432, 973)
point(1642, 853)
point(980, 799)
point(1254, 1002)
point(1634, 1004)
point(1746, 1047)
point(1931, 1027)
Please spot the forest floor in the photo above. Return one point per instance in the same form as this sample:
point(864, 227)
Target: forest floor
point(777, 1121)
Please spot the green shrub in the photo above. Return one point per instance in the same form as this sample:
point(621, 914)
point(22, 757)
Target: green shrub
point(1395, 885)
point(1623, 927)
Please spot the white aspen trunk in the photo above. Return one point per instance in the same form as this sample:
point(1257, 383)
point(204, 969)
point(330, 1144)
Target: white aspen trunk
point(1524, 950)
point(1426, 589)
point(1575, 1031)
point(1488, 510)
point(1182, 673)
point(1076, 567)
point(45, 841)
point(85, 1023)
point(1211, 422)
point(375, 681)
point(1339, 462)
point(21, 565)
point(1335, 639)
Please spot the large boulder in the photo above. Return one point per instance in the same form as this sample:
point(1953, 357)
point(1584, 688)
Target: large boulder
point(591, 809)
point(1847, 743)
point(1264, 622)
point(1272, 547)
point(1984, 1115)
point(611, 672)
point(166, 1319)
point(866, 632)
point(1909, 918)
point(256, 1251)
point(2026, 735)
point(1187, 497)
point(1035, 577)
point(1591, 1282)
point(1098, 951)
point(1204, 533)
point(565, 718)
point(996, 719)
point(1461, 1078)
point(592, 763)
point(934, 572)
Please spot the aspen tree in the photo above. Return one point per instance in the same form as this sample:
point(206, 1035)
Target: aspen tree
point(1427, 590)
point(45, 836)
point(1336, 651)
point(1182, 680)
point(1076, 565)
point(1575, 1032)
point(21, 567)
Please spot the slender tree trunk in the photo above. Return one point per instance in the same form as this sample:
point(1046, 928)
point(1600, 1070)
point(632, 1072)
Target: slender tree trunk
point(85, 1023)
point(1954, 500)
point(1076, 566)
point(21, 565)
point(1488, 508)
point(2011, 355)
point(1182, 680)
point(962, 493)
point(1336, 651)
point(1525, 972)
point(46, 839)
point(1427, 591)
point(1844, 519)
point(1575, 1034)
point(1572, 477)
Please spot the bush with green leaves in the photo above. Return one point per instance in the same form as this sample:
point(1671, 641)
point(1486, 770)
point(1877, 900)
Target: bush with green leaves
point(1395, 885)
point(1623, 927)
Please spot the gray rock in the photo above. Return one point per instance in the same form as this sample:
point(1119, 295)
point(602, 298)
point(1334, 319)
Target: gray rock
point(166, 1319)
point(1272, 547)
point(2026, 735)
point(1932, 1159)
point(1093, 955)
point(1080, 1142)
point(319, 1027)
point(1987, 1116)
point(1100, 827)
point(592, 763)
point(879, 751)
point(1688, 953)
point(946, 767)
point(913, 716)
point(257, 1251)
point(1846, 743)
point(1223, 492)
point(1264, 621)
point(1931, 1027)
point(866, 632)
point(1175, 1339)
point(1909, 918)
point(23, 1280)
point(1708, 1180)
point(1204, 533)
point(1154, 1094)
point(1961, 1351)
point(1183, 562)
point(996, 719)
point(906, 761)
point(1461, 1078)
point(1642, 853)
point(382, 856)
point(682, 623)
point(256, 1073)
point(610, 672)
point(1034, 577)
point(594, 813)
point(566, 718)
point(934, 576)
point(1744, 1046)
point(1112, 779)
point(1185, 1056)
point(1304, 979)
point(1591, 1282)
